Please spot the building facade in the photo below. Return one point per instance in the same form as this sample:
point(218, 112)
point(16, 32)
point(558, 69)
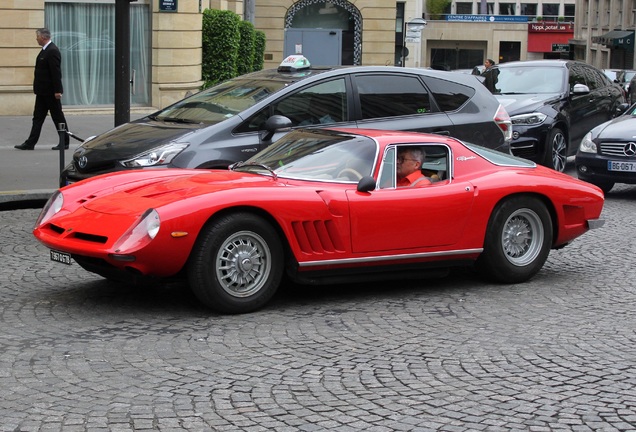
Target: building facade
point(166, 43)
point(604, 33)
point(166, 40)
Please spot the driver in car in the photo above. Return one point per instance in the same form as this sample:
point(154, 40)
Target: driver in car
point(408, 168)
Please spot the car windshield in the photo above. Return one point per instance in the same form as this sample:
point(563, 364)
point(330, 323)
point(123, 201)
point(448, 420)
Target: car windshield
point(323, 155)
point(220, 102)
point(530, 80)
point(631, 111)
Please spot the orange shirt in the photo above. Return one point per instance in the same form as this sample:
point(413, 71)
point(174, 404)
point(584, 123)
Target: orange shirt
point(406, 181)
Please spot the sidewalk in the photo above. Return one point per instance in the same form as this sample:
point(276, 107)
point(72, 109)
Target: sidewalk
point(33, 175)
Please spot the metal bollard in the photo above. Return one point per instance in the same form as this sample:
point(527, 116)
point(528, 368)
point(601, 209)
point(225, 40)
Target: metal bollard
point(62, 134)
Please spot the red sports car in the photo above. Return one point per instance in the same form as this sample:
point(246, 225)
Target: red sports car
point(320, 205)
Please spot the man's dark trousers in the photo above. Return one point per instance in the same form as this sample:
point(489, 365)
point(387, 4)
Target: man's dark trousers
point(44, 104)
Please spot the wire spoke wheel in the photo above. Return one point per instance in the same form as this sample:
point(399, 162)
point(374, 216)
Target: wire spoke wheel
point(243, 264)
point(518, 240)
point(522, 237)
point(237, 263)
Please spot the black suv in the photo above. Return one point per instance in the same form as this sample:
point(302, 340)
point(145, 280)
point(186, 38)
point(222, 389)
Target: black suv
point(553, 104)
point(235, 119)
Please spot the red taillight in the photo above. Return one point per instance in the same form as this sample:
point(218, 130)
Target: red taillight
point(503, 121)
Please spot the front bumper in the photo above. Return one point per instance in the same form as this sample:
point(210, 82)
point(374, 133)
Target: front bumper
point(528, 142)
point(593, 168)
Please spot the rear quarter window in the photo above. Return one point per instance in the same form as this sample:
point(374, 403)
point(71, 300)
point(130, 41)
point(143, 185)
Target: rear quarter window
point(391, 95)
point(449, 96)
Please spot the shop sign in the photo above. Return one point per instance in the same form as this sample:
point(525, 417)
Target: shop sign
point(560, 48)
point(550, 27)
point(488, 18)
point(168, 5)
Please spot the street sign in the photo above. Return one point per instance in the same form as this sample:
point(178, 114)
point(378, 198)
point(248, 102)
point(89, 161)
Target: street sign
point(167, 5)
point(560, 48)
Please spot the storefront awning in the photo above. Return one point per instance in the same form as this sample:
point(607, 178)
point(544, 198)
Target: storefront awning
point(616, 39)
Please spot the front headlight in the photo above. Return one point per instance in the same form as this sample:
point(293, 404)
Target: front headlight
point(140, 233)
point(52, 206)
point(158, 156)
point(587, 145)
point(530, 119)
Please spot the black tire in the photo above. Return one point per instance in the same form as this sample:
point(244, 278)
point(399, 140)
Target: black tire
point(556, 150)
point(518, 240)
point(236, 264)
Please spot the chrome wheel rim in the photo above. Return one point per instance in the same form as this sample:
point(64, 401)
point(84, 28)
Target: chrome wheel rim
point(522, 237)
point(243, 264)
point(559, 157)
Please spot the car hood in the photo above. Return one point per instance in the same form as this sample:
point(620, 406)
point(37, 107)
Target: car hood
point(131, 139)
point(134, 192)
point(621, 128)
point(525, 103)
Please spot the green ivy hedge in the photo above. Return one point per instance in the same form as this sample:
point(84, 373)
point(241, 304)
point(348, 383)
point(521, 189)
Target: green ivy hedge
point(231, 47)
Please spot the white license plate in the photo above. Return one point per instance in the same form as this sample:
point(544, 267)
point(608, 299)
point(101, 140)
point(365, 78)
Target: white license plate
point(61, 257)
point(621, 166)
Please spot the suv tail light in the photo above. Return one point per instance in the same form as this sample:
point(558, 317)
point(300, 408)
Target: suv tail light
point(503, 121)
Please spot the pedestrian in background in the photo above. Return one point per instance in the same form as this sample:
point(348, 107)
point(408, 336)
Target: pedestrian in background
point(491, 75)
point(47, 86)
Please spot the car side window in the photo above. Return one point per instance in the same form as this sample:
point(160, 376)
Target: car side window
point(391, 96)
point(592, 78)
point(576, 77)
point(324, 103)
point(449, 96)
point(434, 167)
point(386, 180)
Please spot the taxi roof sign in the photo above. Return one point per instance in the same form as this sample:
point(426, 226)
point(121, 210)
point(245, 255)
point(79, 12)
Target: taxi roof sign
point(293, 63)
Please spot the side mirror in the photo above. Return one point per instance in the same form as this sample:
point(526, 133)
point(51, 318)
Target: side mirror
point(621, 109)
point(273, 124)
point(580, 89)
point(366, 184)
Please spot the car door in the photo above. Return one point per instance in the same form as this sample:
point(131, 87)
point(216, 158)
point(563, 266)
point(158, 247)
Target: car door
point(415, 218)
point(397, 101)
point(583, 109)
point(325, 103)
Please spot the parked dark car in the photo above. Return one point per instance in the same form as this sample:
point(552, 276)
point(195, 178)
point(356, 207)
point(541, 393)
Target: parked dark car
point(229, 122)
point(607, 154)
point(630, 88)
point(553, 104)
point(622, 77)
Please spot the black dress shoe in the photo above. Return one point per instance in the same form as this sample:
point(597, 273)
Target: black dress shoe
point(23, 146)
point(57, 147)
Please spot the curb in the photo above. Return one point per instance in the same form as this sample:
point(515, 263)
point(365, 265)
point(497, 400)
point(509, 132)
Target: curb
point(26, 195)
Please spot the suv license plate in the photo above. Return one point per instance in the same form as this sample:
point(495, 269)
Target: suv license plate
point(621, 166)
point(61, 257)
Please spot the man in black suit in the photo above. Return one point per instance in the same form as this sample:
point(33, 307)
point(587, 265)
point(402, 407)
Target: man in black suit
point(47, 86)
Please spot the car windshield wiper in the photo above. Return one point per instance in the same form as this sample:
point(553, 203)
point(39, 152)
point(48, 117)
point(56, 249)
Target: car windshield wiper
point(178, 120)
point(253, 164)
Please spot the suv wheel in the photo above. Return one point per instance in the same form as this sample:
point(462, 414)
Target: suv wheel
point(556, 154)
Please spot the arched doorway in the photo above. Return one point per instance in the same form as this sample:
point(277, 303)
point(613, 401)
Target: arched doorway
point(329, 29)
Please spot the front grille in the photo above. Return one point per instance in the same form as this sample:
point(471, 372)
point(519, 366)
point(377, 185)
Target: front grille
point(615, 149)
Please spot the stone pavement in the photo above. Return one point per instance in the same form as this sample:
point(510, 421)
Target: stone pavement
point(34, 174)
point(558, 353)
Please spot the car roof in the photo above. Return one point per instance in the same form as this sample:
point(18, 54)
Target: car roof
point(325, 71)
point(535, 63)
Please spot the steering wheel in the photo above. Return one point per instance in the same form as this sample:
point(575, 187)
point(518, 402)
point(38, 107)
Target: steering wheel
point(350, 173)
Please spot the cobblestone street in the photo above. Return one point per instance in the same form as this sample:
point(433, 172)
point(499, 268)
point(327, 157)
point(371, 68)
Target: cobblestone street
point(78, 352)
